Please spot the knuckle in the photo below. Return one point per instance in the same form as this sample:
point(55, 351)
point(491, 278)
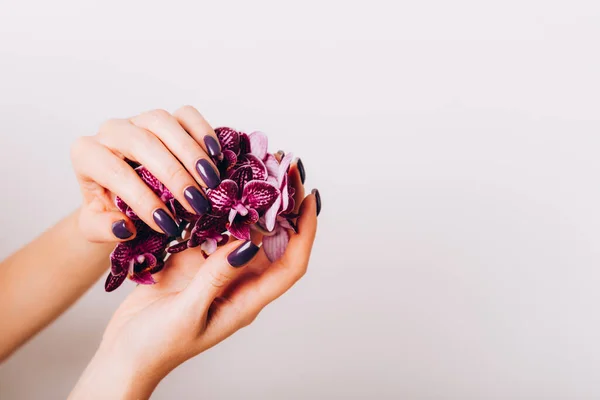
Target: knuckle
point(108, 125)
point(157, 115)
point(145, 139)
point(176, 174)
point(187, 109)
point(145, 200)
point(218, 279)
point(78, 146)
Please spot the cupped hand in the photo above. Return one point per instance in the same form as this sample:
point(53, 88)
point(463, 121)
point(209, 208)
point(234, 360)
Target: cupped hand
point(195, 304)
point(177, 149)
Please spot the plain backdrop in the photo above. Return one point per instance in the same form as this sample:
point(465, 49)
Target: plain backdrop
point(455, 145)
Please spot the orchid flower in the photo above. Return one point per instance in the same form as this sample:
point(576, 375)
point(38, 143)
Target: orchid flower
point(242, 201)
point(137, 259)
point(255, 192)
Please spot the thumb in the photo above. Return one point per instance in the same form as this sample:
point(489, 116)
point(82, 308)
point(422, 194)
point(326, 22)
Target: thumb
point(221, 268)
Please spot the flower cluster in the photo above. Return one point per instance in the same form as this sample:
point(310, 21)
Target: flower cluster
point(254, 194)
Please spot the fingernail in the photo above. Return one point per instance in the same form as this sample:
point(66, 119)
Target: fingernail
point(197, 200)
point(207, 173)
point(318, 199)
point(120, 230)
point(280, 153)
point(244, 253)
point(212, 146)
point(165, 222)
point(301, 170)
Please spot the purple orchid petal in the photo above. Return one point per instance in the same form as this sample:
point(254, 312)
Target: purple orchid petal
point(250, 218)
point(177, 248)
point(209, 246)
point(227, 163)
point(143, 278)
point(244, 143)
point(285, 224)
point(271, 214)
point(272, 165)
point(119, 259)
point(259, 195)
point(259, 144)
point(150, 180)
point(259, 170)
point(180, 212)
point(285, 194)
point(158, 267)
point(284, 166)
point(241, 176)
point(121, 205)
point(239, 230)
point(229, 139)
point(275, 245)
point(223, 197)
point(114, 281)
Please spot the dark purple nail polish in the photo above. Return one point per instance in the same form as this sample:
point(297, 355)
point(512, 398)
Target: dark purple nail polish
point(197, 200)
point(212, 146)
point(243, 254)
point(165, 222)
point(120, 230)
point(207, 173)
point(318, 199)
point(280, 153)
point(301, 170)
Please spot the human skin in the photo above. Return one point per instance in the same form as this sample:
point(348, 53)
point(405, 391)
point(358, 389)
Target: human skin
point(204, 301)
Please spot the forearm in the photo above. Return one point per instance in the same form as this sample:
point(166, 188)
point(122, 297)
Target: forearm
point(44, 278)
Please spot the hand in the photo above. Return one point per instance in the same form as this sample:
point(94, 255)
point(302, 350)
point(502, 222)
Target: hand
point(176, 149)
point(195, 304)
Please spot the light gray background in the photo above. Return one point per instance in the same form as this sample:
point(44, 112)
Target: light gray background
point(455, 145)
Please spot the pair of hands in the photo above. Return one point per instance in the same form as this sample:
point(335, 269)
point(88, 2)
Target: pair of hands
point(196, 303)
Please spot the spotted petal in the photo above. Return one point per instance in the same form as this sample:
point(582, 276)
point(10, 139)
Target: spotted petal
point(178, 248)
point(150, 180)
point(275, 245)
point(259, 144)
point(259, 170)
point(239, 230)
point(229, 139)
point(223, 197)
point(241, 176)
point(259, 195)
point(143, 278)
point(113, 281)
point(244, 143)
point(119, 259)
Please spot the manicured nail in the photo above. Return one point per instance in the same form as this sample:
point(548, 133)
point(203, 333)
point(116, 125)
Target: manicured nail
point(318, 199)
point(165, 222)
point(197, 200)
point(301, 170)
point(243, 254)
point(281, 154)
point(120, 230)
point(212, 146)
point(207, 173)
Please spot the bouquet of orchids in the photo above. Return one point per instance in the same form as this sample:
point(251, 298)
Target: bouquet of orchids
point(254, 195)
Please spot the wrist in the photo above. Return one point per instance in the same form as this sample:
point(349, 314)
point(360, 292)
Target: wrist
point(110, 376)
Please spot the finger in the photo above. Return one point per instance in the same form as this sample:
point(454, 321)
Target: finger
point(138, 144)
point(105, 226)
point(221, 268)
point(181, 144)
point(199, 129)
point(95, 163)
point(297, 176)
point(254, 294)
